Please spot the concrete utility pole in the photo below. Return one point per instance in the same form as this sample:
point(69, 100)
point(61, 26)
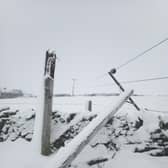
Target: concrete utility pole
point(47, 101)
point(73, 86)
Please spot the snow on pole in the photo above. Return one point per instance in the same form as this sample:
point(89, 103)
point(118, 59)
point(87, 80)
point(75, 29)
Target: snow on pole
point(42, 122)
point(67, 154)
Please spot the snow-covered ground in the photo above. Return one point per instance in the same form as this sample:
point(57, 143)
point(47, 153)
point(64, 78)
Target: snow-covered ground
point(77, 103)
point(121, 143)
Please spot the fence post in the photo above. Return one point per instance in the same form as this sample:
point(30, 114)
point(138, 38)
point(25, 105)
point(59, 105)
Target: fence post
point(47, 102)
point(89, 105)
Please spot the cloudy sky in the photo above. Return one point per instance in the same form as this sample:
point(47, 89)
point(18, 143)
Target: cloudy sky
point(90, 37)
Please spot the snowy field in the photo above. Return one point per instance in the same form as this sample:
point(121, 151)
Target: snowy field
point(77, 103)
point(130, 146)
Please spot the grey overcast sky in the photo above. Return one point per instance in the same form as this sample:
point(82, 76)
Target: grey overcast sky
point(90, 37)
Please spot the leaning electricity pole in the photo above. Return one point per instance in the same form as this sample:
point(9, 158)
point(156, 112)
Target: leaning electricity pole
point(73, 86)
point(111, 73)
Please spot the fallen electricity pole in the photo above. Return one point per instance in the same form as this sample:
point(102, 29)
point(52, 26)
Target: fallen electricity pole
point(64, 157)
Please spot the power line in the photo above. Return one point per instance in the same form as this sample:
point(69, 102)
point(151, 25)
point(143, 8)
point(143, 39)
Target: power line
point(145, 80)
point(134, 58)
point(141, 54)
point(157, 111)
point(139, 80)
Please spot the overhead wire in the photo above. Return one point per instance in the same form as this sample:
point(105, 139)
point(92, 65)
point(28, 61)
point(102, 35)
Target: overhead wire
point(157, 111)
point(136, 57)
point(141, 54)
point(136, 81)
point(145, 80)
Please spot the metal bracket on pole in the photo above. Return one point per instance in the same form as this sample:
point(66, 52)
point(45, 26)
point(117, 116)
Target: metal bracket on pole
point(113, 71)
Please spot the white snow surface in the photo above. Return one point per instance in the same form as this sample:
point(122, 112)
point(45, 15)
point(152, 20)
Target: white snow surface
point(22, 154)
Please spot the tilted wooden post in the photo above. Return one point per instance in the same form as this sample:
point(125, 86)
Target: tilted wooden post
point(47, 105)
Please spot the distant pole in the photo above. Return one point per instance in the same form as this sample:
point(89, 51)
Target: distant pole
point(73, 86)
point(89, 105)
point(47, 105)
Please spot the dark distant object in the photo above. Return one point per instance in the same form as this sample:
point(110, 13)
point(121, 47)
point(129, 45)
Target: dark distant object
point(10, 93)
point(62, 95)
point(101, 94)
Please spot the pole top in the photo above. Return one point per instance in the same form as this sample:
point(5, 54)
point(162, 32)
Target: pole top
point(113, 71)
point(51, 52)
point(50, 63)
